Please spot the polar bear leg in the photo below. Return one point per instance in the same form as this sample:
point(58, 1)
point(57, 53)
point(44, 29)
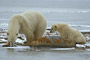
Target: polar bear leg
point(39, 32)
point(80, 40)
point(29, 37)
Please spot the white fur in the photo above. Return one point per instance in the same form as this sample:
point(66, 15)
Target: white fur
point(32, 24)
point(68, 32)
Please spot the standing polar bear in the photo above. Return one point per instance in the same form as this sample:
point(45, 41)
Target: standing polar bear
point(32, 24)
point(68, 33)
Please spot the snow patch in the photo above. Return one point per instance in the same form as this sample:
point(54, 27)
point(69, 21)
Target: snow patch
point(62, 48)
point(79, 45)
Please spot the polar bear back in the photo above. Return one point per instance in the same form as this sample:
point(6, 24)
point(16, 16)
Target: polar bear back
point(33, 18)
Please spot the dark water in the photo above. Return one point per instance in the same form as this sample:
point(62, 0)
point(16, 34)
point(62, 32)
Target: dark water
point(75, 17)
point(74, 12)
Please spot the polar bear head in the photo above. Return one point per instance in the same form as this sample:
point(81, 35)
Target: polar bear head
point(13, 31)
point(12, 36)
point(54, 28)
point(58, 27)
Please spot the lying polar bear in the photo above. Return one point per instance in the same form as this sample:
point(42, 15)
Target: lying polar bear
point(68, 33)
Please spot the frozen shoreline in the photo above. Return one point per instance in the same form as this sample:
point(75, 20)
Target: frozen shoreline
point(4, 27)
point(76, 13)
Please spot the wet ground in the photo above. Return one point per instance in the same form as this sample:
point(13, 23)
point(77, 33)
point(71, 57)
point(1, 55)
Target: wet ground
point(82, 52)
point(27, 53)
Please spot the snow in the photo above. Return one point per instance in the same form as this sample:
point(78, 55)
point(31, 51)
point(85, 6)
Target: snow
point(18, 47)
point(84, 30)
point(80, 25)
point(79, 45)
point(87, 45)
point(4, 26)
point(61, 48)
point(3, 40)
point(88, 49)
point(20, 41)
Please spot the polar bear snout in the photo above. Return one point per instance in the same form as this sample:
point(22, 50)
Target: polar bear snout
point(53, 29)
point(12, 37)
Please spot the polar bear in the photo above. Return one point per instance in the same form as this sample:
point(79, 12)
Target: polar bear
point(31, 23)
point(68, 33)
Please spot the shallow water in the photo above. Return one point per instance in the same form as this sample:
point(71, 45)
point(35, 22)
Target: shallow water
point(43, 54)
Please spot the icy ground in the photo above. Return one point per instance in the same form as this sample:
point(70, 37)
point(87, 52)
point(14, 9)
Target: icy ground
point(80, 52)
point(3, 28)
point(34, 53)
